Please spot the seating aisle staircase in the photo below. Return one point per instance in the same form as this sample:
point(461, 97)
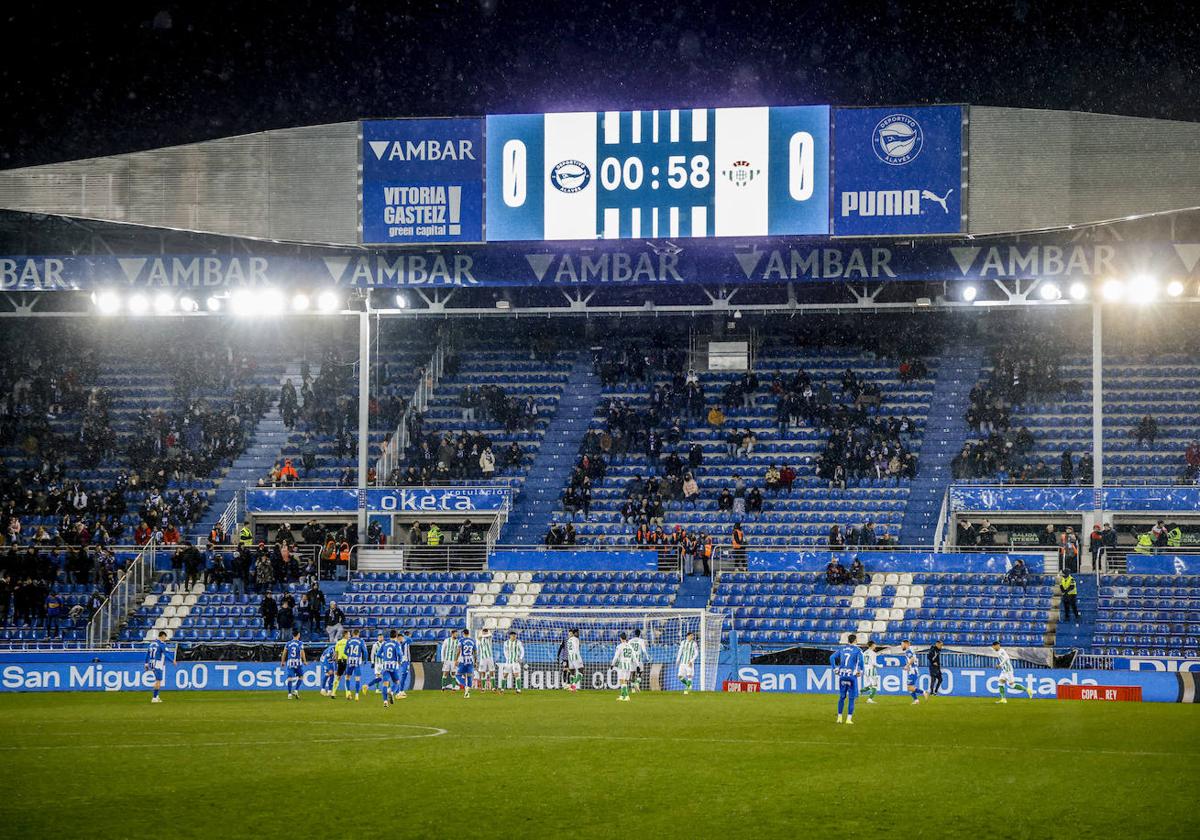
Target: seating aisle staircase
point(535, 509)
point(256, 460)
point(1079, 635)
point(945, 433)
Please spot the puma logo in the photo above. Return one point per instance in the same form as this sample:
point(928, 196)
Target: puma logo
point(934, 198)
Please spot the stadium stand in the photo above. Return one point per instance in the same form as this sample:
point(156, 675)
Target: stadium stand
point(1148, 615)
point(427, 603)
point(802, 516)
point(798, 608)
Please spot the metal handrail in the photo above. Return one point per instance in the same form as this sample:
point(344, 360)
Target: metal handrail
point(398, 442)
point(130, 586)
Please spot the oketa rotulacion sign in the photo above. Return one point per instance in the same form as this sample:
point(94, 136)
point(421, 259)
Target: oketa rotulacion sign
point(427, 500)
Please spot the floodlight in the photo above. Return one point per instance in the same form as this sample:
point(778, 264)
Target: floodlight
point(969, 293)
point(1143, 288)
point(328, 301)
point(138, 304)
point(188, 304)
point(1174, 288)
point(1050, 291)
point(243, 303)
point(107, 302)
point(164, 302)
point(401, 301)
point(300, 302)
point(1113, 289)
point(1078, 290)
point(213, 304)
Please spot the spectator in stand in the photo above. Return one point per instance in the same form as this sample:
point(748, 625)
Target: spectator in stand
point(772, 480)
point(1067, 468)
point(268, 609)
point(987, 534)
point(836, 542)
point(1068, 551)
point(754, 503)
point(725, 500)
point(691, 490)
point(1158, 534)
point(1147, 430)
point(716, 417)
point(787, 477)
point(858, 573)
point(1191, 458)
point(1018, 575)
point(335, 620)
point(835, 573)
point(739, 494)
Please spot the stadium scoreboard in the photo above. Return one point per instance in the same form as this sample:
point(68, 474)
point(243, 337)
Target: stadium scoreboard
point(808, 170)
point(658, 174)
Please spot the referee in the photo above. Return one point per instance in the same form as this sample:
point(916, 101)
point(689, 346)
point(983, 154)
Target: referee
point(935, 667)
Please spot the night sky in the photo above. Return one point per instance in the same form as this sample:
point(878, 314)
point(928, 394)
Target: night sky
point(107, 78)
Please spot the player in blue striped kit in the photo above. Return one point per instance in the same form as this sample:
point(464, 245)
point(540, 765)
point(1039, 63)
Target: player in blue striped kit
point(156, 662)
point(466, 662)
point(912, 677)
point(388, 658)
point(356, 655)
point(328, 663)
point(847, 662)
point(293, 662)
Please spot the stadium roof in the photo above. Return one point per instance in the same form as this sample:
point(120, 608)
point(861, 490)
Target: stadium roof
point(1029, 170)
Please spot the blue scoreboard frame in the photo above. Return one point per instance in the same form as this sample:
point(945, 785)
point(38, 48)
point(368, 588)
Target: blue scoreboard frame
point(658, 174)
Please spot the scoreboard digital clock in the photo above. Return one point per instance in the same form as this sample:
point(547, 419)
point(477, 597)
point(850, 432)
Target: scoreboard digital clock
point(658, 174)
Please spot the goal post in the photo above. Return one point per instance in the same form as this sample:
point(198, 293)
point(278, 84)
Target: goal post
point(544, 631)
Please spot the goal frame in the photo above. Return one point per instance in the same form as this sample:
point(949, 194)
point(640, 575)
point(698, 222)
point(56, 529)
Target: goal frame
point(709, 658)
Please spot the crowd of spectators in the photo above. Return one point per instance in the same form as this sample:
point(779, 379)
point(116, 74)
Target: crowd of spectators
point(1024, 369)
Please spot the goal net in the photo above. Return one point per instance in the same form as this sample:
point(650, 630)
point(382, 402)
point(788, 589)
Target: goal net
point(543, 632)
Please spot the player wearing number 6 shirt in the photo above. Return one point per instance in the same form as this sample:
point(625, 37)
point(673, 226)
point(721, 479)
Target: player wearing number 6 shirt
point(514, 660)
point(466, 662)
point(624, 659)
point(1008, 679)
point(642, 656)
point(388, 661)
point(847, 662)
point(911, 675)
point(487, 661)
point(575, 659)
point(293, 662)
point(685, 661)
point(156, 663)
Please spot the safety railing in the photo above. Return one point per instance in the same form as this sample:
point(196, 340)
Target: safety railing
point(393, 451)
point(130, 586)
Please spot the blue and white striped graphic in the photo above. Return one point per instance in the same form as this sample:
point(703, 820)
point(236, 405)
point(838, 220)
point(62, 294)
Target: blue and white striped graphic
point(658, 174)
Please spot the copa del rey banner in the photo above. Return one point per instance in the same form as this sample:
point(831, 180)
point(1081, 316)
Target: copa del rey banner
point(623, 263)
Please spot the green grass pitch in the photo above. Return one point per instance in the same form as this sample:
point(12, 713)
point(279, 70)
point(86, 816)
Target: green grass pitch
point(225, 765)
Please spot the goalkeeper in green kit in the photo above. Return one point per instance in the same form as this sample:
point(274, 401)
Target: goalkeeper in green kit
point(685, 661)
